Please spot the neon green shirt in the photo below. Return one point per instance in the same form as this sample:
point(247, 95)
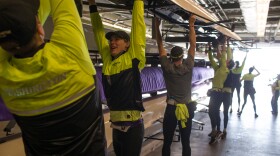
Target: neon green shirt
point(249, 77)
point(57, 75)
point(123, 93)
point(221, 71)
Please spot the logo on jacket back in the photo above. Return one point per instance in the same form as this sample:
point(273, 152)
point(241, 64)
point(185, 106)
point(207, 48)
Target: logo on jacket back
point(36, 88)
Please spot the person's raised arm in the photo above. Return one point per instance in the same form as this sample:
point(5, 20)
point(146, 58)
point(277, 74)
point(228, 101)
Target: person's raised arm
point(219, 53)
point(192, 37)
point(99, 33)
point(211, 58)
point(243, 63)
point(138, 33)
point(68, 31)
point(223, 56)
point(240, 68)
point(229, 51)
point(44, 11)
point(258, 73)
point(157, 23)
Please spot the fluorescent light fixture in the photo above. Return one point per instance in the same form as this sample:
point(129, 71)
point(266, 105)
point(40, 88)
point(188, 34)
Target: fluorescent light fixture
point(200, 29)
point(213, 35)
point(262, 11)
point(255, 15)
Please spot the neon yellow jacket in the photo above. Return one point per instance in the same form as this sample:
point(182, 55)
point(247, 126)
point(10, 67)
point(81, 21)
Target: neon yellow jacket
point(221, 71)
point(121, 77)
point(57, 75)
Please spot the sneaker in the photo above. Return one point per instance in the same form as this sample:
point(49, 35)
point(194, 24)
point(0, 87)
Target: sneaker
point(212, 133)
point(224, 135)
point(212, 141)
point(212, 136)
point(239, 113)
point(256, 115)
point(219, 135)
point(215, 136)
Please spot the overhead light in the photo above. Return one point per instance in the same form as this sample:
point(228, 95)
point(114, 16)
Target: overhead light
point(200, 29)
point(255, 15)
point(214, 35)
point(262, 11)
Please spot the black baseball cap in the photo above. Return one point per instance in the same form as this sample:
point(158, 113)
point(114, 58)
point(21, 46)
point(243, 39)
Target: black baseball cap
point(230, 64)
point(120, 34)
point(18, 20)
point(177, 52)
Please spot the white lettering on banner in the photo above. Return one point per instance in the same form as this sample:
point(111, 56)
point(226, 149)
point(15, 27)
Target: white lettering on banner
point(36, 88)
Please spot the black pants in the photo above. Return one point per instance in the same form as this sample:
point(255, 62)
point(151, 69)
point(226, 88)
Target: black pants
point(274, 102)
point(216, 100)
point(226, 103)
point(75, 130)
point(128, 143)
point(170, 123)
point(238, 94)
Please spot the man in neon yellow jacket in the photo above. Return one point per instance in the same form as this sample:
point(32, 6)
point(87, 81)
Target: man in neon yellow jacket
point(123, 57)
point(49, 87)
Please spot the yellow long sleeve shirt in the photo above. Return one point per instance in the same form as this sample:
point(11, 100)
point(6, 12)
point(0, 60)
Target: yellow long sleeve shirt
point(57, 75)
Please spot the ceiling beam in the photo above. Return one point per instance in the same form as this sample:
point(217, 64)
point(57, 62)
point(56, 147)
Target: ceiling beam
point(271, 13)
point(186, 39)
point(236, 6)
point(274, 4)
point(127, 7)
point(230, 6)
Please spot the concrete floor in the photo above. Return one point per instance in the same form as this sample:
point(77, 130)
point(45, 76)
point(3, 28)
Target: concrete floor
point(247, 135)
